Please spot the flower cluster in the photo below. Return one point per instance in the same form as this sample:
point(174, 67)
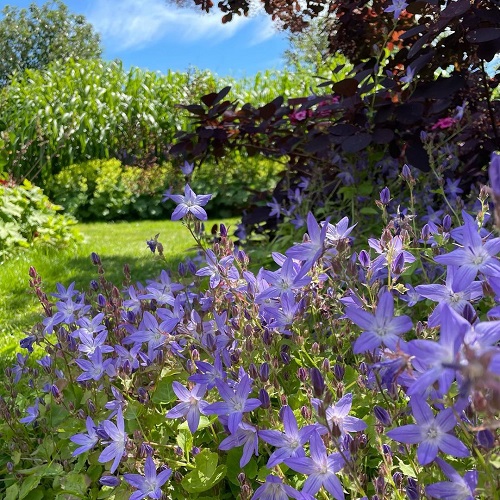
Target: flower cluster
point(308, 375)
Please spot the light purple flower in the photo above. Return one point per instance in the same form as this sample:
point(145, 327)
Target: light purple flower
point(457, 488)
point(247, 436)
point(32, 412)
point(189, 203)
point(116, 445)
point(320, 467)
point(150, 484)
point(274, 489)
point(473, 257)
point(379, 328)
point(338, 415)
point(397, 6)
point(432, 433)
point(86, 441)
point(235, 402)
point(289, 443)
point(191, 405)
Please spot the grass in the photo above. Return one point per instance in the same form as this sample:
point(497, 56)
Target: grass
point(117, 244)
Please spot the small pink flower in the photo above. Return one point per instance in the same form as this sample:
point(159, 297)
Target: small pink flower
point(299, 116)
point(444, 123)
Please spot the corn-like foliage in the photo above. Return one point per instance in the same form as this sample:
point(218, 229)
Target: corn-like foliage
point(75, 111)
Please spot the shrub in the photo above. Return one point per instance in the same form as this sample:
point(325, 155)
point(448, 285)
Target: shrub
point(28, 218)
point(111, 190)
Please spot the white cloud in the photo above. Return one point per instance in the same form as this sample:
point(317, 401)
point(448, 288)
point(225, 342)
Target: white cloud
point(134, 24)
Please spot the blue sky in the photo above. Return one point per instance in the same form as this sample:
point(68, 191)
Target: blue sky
point(157, 35)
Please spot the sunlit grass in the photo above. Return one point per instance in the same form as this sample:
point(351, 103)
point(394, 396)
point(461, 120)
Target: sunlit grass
point(117, 244)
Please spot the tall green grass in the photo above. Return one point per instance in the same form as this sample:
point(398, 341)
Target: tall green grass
point(117, 244)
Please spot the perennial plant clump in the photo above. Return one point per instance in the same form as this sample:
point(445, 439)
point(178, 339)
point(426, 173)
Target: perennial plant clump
point(333, 375)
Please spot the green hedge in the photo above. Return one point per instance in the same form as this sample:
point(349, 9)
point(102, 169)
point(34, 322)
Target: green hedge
point(110, 190)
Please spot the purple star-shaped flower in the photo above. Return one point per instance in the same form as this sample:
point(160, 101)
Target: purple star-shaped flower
point(338, 415)
point(473, 256)
point(245, 435)
point(86, 441)
point(397, 6)
point(320, 467)
point(289, 443)
point(274, 489)
point(150, 484)
point(457, 488)
point(235, 402)
point(191, 405)
point(432, 433)
point(117, 441)
point(189, 203)
point(379, 328)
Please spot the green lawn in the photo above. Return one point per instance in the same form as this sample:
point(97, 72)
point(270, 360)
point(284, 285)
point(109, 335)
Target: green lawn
point(117, 244)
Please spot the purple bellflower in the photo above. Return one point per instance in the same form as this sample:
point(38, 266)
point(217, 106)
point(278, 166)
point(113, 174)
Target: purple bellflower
point(290, 443)
point(235, 402)
point(86, 441)
point(247, 436)
point(320, 467)
point(436, 361)
point(379, 328)
point(216, 269)
point(397, 6)
point(311, 249)
point(338, 415)
point(473, 256)
point(189, 203)
point(457, 488)
point(32, 412)
point(115, 448)
point(274, 489)
point(149, 485)
point(456, 293)
point(95, 367)
point(191, 405)
point(432, 433)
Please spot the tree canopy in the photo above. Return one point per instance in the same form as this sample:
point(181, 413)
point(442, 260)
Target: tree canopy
point(32, 38)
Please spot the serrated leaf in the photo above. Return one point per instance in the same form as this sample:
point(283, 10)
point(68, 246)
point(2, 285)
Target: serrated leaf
point(406, 469)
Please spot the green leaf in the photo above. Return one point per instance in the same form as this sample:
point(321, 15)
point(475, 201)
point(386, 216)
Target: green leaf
point(368, 211)
point(29, 483)
point(164, 392)
point(12, 492)
point(194, 482)
point(406, 469)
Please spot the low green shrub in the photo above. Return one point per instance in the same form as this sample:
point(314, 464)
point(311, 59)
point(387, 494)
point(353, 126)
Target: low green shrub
point(27, 217)
point(111, 190)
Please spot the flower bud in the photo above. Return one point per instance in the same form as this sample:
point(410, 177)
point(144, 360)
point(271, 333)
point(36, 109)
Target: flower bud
point(305, 412)
point(406, 172)
point(101, 300)
point(318, 382)
point(96, 260)
point(385, 196)
point(112, 481)
point(364, 258)
point(447, 223)
point(264, 372)
point(382, 415)
point(195, 451)
point(485, 438)
point(252, 371)
point(426, 232)
point(315, 349)
point(264, 398)
point(339, 371)
point(302, 374)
